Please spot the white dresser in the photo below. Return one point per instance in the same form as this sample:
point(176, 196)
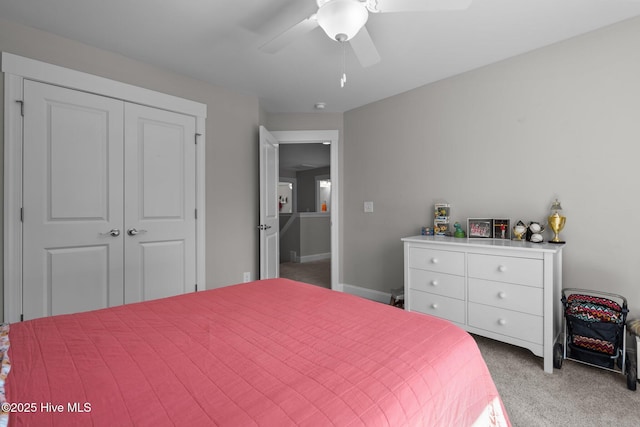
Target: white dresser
point(502, 289)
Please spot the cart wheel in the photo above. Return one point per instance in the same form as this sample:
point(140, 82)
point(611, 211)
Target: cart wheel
point(558, 356)
point(632, 374)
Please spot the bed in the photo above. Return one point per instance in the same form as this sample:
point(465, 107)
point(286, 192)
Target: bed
point(266, 353)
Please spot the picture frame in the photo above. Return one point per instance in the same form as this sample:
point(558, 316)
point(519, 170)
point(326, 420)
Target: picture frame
point(480, 228)
point(502, 229)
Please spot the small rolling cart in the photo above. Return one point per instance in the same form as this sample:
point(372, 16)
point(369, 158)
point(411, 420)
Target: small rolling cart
point(595, 332)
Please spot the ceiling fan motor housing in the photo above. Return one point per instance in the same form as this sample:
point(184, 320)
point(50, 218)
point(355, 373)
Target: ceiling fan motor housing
point(342, 19)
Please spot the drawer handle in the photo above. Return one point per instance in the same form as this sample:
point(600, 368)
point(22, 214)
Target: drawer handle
point(434, 283)
point(434, 306)
point(502, 322)
point(502, 268)
point(435, 260)
point(502, 295)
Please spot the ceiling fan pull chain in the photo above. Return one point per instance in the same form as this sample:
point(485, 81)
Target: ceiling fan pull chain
point(343, 79)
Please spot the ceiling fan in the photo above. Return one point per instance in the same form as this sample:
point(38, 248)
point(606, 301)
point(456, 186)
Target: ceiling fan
point(342, 20)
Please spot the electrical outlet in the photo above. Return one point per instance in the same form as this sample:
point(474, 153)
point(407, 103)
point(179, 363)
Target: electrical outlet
point(246, 276)
point(368, 207)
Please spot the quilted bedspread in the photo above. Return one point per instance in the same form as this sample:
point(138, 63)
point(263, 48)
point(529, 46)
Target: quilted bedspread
point(266, 353)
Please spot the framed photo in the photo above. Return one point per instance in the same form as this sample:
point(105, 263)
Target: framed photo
point(502, 229)
point(480, 228)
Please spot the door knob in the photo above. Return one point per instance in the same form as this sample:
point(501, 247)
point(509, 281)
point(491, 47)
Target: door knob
point(113, 232)
point(134, 231)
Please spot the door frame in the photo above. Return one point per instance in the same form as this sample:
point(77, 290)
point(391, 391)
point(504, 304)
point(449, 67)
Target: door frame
point(16, 69)
point(314, 137)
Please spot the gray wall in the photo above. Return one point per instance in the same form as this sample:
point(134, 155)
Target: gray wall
point(502, 142)
point(308, 235)
point(231, 151)
point(315, 235)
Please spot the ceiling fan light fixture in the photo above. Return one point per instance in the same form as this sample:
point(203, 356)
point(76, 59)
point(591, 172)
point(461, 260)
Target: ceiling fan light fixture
point(342, 19)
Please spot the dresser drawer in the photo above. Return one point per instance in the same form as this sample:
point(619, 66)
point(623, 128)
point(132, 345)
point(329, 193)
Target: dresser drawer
point(447, 308)
point(523, 326)
point(447, 285)
point(435, 260)
point(526, 299)
point(523, 271)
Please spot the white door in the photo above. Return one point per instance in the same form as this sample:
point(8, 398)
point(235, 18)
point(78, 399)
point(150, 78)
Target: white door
point(269, 223)
point(72, 201)
point(109, 199)
point(160, 203)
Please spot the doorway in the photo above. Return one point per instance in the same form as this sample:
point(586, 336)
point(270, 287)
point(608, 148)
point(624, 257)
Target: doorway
point(330, 137)
point(305, 231)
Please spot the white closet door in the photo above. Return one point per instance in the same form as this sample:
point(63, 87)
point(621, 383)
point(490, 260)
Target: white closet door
point(160, 186)
point(72, 199)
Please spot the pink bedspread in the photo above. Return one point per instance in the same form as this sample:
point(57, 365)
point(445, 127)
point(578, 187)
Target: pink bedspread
point(266, 353)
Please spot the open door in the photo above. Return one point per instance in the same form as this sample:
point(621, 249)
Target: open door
point(269, 224)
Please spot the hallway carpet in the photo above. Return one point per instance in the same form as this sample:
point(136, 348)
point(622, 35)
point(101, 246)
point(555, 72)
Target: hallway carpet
point(314, 272)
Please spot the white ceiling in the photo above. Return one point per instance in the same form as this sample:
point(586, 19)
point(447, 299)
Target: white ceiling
point(218, 41)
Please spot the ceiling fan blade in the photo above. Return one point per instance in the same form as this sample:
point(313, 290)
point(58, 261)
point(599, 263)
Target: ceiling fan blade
point(365, 50)
point(275, 16)
point(287, 37)
point(384, 6)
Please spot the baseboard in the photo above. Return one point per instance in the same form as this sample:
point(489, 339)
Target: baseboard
point(367, 293)
point(314, 257)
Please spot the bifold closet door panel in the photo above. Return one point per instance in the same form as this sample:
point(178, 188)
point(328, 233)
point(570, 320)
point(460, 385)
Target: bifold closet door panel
point(72, 201)
point(160, 191)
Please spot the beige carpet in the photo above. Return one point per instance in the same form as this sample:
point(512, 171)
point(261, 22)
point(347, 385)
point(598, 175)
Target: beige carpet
point(314, 272)
point(576, 395)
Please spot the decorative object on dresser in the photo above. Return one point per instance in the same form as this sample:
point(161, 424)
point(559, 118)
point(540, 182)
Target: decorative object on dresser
point(504, 290)
point(534, 232)
point(519, 230)
point(556, 221)
point(459, 233)
point(427, 231)
point(502, 229)
point(480, 228)
point(441, 217)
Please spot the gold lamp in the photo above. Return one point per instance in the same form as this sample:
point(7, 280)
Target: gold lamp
point(556, 221)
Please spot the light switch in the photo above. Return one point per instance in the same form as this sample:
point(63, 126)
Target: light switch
point(368, 207)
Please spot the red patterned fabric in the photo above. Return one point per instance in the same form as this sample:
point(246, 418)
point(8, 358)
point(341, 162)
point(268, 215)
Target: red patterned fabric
point(594, 309)
point(594, 344)
point(266, 353)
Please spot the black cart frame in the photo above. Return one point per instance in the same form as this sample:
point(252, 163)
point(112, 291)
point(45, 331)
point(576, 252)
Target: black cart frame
point(611, 333)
